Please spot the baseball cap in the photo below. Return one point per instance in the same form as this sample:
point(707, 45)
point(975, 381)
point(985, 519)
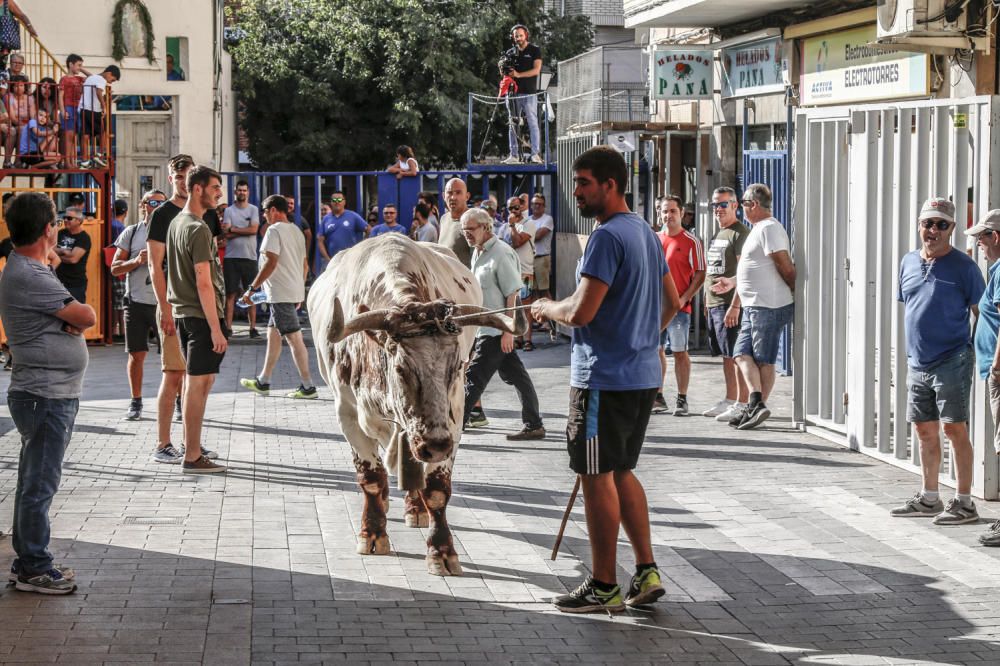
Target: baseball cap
point(121, 207)
point(937, 207)
point(990, 222)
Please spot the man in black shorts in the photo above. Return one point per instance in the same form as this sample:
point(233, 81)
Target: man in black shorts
point(131, 260)
point(624, 299)
point(194, 286)
point(240, 223)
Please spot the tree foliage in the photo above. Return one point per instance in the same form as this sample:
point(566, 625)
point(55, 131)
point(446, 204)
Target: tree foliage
point(338, 84)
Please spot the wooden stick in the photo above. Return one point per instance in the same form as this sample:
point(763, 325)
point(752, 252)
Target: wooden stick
point(565, 519)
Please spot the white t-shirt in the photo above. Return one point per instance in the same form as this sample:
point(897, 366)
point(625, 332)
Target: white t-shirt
point(287, 283)
point(544, 246)
point(89, 101)
point(526, 253)
point(758, 281)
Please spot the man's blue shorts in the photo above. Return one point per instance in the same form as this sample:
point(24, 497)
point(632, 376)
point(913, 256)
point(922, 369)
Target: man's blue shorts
point(760, 332)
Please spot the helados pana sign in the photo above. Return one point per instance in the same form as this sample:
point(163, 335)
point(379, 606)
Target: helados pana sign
point(683, 73)
point(752, 69)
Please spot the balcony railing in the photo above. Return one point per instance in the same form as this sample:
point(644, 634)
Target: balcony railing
point(38, 131)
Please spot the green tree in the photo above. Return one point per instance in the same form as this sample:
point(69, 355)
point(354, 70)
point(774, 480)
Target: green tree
point(338, 84)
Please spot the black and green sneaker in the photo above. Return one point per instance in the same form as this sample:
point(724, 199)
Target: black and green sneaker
point(589, 599)
point(645, 588)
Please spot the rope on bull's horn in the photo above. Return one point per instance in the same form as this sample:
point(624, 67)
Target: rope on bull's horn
point(492, 312)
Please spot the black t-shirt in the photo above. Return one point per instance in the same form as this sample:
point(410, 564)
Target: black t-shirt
point(159, 223)
point(6, 247)
point(73, 275)
point(523, 62)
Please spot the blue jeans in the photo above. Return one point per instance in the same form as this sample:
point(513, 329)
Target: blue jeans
point(528, 105)
point(45, 426)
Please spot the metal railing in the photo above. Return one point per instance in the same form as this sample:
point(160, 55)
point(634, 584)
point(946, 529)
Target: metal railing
point(36, 132)
point(38, 60)
point(603, 85)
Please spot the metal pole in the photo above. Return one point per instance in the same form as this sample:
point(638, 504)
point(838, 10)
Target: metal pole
point(697, 212)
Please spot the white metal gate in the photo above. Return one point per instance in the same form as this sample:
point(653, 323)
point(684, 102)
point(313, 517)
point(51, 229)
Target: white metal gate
point(861, 175)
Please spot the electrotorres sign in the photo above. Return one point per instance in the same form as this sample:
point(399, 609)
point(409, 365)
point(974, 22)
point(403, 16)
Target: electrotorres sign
point(752, 69)
point(683, 74)
point(844, 67)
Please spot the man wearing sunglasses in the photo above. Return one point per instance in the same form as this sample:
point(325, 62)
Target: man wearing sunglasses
point(986, 235)
point(765, 280)
point(340, 229)
point(938, 286)
point(722, 311)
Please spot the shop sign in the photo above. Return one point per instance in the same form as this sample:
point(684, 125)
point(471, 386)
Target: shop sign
point(683, 74)
point(844, 67)
point(752, 69)
point(623, 142)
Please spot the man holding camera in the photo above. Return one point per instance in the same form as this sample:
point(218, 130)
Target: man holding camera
point(522, 63)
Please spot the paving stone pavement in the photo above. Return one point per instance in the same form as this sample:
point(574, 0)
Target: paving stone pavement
point(776, 545)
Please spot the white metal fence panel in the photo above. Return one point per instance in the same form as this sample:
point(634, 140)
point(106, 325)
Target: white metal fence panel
point(861, 176)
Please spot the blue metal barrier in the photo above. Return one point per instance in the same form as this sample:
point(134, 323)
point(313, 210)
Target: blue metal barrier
point(363, 189)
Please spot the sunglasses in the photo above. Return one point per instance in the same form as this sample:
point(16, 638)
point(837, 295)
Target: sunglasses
point(154, 203)
point(749, 203)
point(940, 225)
point(721, 204)
point(337, 199)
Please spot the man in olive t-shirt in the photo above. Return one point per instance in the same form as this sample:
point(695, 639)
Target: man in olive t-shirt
point(196, 294)
point(456, 195)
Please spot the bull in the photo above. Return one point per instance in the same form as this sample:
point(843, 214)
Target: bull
point(393, 323)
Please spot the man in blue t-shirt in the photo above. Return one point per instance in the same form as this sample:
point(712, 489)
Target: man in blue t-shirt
point(938, 286)
point(390, 225)
point(623, 299)
point(987, 237)
point(340, 229)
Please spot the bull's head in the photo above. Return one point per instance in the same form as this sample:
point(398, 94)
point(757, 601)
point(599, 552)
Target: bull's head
point(424, 364)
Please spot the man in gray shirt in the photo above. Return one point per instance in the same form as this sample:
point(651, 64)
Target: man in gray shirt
point(240, 223)
point(44, 326)
point(140, 300)
point(498, 272)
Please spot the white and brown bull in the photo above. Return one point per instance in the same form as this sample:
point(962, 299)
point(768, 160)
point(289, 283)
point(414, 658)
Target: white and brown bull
point(393, 323)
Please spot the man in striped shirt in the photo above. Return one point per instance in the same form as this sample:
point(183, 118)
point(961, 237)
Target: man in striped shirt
point(685, 256)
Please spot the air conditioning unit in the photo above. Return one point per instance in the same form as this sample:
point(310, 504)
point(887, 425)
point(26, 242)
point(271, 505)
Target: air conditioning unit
point(924, 25)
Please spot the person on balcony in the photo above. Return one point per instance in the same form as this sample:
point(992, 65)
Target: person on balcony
point(39, 142)
point(21, 109)
point(70, 94)
point(92, 115)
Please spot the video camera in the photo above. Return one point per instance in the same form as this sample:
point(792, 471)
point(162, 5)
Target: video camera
point(507, 62)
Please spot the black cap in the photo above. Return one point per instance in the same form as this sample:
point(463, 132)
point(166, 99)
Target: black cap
point(76, 198)
point(121, 207)
point(115, 72)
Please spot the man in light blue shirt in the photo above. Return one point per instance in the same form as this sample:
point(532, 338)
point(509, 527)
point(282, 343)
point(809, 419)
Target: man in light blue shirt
point(987, 236)
point(390, 225)
point(496, 268)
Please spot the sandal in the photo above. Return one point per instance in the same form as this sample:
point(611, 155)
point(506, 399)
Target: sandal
point(528, 346)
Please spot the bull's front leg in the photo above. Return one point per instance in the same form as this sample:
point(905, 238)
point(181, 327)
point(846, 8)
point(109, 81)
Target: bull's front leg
point(442, 560)
point(374, 482)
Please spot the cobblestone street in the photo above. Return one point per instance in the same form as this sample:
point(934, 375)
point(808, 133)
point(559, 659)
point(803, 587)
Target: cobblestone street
point(777, 546)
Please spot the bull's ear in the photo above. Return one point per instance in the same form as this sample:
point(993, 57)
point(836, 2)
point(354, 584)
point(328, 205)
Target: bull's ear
point(520, 320)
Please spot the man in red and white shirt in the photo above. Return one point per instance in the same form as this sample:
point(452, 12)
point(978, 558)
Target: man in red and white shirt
point(686, 259)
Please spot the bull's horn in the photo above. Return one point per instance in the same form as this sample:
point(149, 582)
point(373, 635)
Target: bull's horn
point(371, 320)
point(517, 324)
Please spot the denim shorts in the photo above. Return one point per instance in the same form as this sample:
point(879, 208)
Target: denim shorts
point(675, 336)
point(941, 392)
point(760, 332)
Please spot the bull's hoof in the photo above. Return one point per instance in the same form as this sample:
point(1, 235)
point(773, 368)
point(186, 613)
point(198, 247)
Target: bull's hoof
point(418, 519)
point(438, 565)
point(373, 545)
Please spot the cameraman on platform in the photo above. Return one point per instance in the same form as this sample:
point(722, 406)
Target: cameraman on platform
point(522, 63)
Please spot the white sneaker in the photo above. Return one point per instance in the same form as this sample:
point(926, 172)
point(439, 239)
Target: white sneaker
point(730, 412)
point(511, 160)
point(537, 159)
point(719, 408)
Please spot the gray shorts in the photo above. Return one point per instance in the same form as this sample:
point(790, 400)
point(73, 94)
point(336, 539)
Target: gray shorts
point(994, 390)
point(941, 393)
point(284, 318)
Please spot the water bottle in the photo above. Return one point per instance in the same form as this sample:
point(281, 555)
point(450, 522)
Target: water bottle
point(256, 298)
